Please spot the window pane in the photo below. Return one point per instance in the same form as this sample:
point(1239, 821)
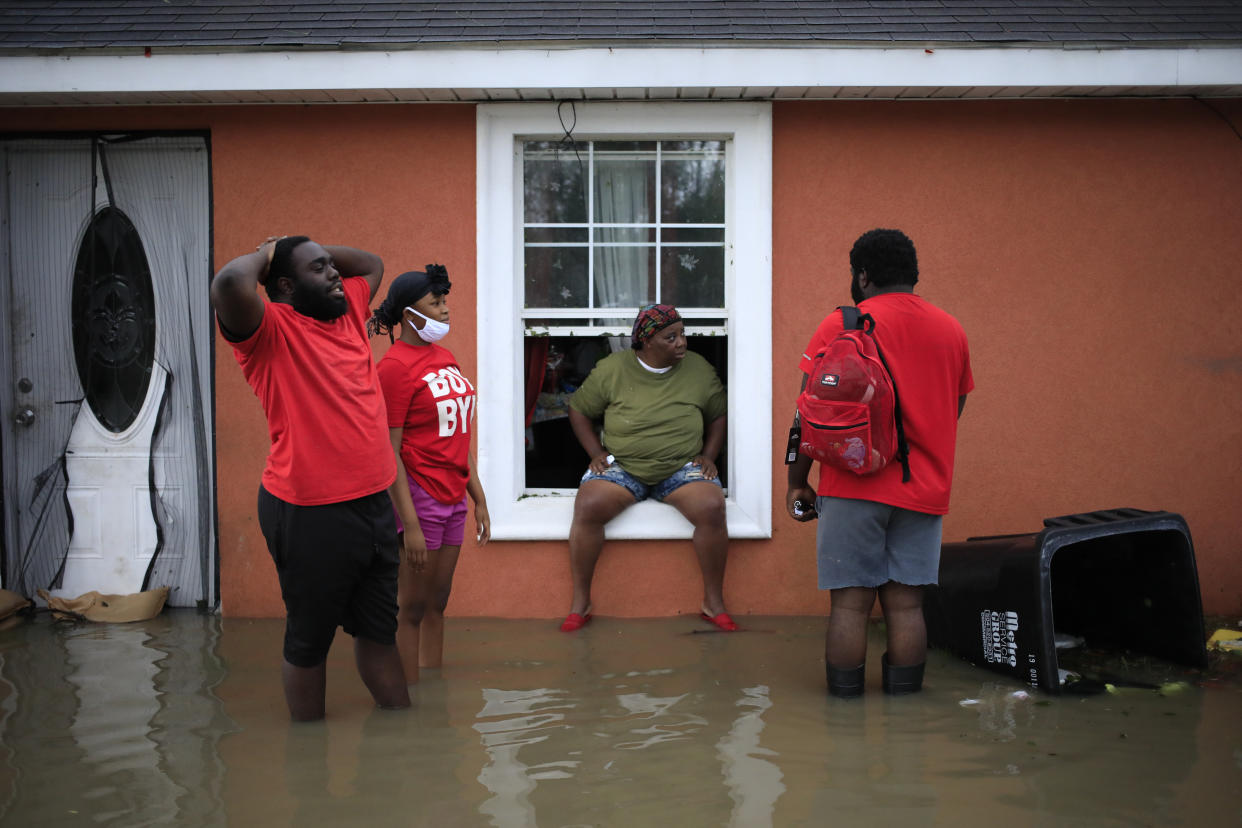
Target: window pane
point(624, 276)
point(556, 235)
point(692, 276)
point(621, 246)
point(556, 277)
point(113, 319)
point(713, 235)
point(705, 147)
point(555, 367)
point(554, 180)
point(695, 325)
point(562, 322)
point(692, 178)
point(624, 182)
point(625, 235)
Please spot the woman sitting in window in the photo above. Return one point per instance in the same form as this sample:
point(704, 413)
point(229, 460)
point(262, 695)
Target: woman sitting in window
point(430, 409)
point(663, 412)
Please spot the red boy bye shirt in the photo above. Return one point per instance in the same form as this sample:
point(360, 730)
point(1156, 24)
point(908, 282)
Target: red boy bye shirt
point(325, 411)
point(429, 399)
point(929, 359)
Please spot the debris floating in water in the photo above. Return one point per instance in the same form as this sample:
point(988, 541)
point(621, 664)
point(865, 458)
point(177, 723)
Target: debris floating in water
point(1065, 641)
point(1228, 641)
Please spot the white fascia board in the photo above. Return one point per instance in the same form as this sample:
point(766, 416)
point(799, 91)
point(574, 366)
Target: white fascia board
point(602, 68)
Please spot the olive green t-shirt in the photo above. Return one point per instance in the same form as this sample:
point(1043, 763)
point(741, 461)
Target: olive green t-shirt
point(653, 423)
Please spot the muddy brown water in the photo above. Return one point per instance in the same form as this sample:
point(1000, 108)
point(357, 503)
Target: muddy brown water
point(180, 721)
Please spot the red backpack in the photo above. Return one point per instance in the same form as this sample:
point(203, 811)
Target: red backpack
point(849, 412)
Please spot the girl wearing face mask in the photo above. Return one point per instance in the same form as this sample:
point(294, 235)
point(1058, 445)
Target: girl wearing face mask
point(430, 417)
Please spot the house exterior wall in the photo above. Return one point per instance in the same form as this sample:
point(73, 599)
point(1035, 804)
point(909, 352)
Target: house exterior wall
point(1090, 249)
point(1086, 246)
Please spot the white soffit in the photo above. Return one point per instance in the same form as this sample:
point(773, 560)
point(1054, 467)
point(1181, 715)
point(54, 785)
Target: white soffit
point(527, 74)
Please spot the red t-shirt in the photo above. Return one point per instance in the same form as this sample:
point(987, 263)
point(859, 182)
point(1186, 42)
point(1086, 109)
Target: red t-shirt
point(929, 360)
point(433, 405)
point(325, 410)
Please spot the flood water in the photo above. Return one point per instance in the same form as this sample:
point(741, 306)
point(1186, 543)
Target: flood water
point(181, 721)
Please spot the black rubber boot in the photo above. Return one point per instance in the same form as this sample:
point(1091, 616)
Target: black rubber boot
point(898, 681)
point(846, 683)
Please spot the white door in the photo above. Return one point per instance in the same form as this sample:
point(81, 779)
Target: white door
point(106, 453)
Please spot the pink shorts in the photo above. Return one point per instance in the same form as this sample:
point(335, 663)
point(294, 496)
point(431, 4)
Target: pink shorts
point(443, 524)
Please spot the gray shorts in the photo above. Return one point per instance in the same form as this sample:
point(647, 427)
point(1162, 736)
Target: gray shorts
point(860, 543)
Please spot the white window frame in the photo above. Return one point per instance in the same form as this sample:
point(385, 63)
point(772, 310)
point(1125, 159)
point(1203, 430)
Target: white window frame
point(747, 127)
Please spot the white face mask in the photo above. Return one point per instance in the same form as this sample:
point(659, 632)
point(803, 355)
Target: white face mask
point(432, 331)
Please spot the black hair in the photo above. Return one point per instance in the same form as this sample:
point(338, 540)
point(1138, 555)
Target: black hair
point(404, 291)
point(281, 265)
point(887, 257)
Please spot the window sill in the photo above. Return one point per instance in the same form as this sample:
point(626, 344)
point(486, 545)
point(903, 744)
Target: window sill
point(548, 516)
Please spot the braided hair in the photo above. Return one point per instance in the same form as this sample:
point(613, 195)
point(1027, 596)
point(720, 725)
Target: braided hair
point(404, 291)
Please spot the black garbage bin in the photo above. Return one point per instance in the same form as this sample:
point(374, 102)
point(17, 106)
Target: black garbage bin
point(1122, 578)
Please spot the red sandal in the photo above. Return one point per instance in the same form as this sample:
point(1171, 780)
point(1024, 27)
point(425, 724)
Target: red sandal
point(722, 621)
point(574, 622)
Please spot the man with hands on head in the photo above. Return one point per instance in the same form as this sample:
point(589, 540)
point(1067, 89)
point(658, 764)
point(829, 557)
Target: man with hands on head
point(323, 500)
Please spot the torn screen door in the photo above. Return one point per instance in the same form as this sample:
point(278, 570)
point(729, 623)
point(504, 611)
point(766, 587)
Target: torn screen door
point(107, 443)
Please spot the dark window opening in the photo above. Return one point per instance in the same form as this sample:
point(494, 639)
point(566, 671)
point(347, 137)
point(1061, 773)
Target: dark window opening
point(113, 319)
point(555, 367)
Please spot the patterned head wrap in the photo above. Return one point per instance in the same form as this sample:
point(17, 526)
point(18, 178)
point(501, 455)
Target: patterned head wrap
point(652, 318)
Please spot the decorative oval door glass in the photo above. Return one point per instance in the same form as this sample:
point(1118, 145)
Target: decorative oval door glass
point(113, 319)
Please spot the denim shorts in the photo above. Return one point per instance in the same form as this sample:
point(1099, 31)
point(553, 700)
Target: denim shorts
point(689, 473)
point(861, 543)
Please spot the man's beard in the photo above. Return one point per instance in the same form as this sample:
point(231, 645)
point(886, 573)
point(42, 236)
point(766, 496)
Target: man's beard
point(855, 291)
point(317, 304)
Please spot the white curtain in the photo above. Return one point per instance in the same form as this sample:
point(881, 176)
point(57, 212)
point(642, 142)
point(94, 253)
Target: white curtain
point(621, 273)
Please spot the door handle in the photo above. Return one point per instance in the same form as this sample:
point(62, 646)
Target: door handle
point(25, 417)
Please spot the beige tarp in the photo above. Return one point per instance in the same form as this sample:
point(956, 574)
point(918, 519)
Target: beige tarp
point(94, 606)
point(10, 603)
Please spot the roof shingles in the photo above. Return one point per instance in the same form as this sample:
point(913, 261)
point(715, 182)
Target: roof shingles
point(100, 24)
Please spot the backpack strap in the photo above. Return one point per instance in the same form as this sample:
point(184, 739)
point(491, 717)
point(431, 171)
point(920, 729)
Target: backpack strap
point(851, 318)
point(903, 448)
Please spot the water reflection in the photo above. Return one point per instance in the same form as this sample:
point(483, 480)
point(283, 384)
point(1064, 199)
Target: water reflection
point(754, 782)
point(1001, 708)
point(113, 723)
point(181, 721)
point(515, 721)
point(511, 720)
point(666, 724)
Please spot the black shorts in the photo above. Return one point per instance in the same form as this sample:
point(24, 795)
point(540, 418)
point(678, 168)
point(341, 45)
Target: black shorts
point(337, 565)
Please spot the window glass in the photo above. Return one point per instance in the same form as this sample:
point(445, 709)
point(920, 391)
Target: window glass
point(692, 176)
point(654, 232)
point(555, 184)
point(624, 175)
point(690, 275)
point(113, 319)
point(556, 277)
point(624, 276)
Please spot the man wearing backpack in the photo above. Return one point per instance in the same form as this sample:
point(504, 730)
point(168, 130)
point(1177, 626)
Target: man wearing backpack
point(879, 536)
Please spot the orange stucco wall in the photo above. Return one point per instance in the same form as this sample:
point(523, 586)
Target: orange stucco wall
point(1085, 246)
point(1091, 250)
